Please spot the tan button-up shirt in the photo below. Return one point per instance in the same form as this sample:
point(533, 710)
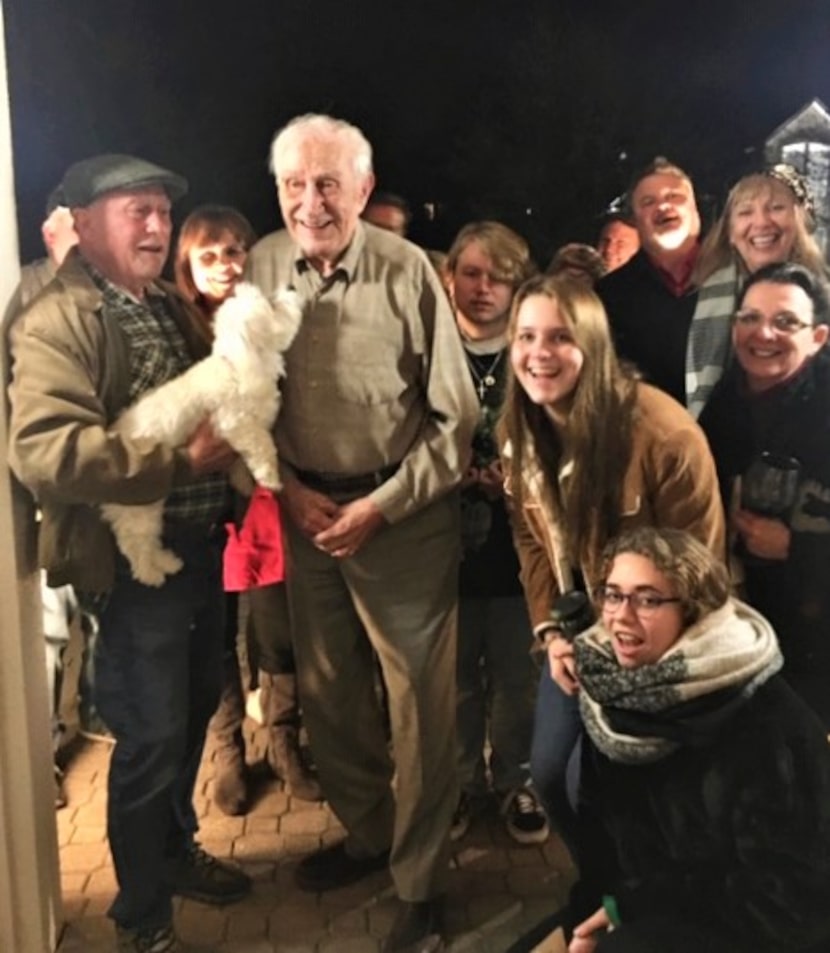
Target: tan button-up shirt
point(376, 375)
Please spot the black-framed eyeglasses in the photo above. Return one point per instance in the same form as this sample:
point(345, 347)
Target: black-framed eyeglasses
point(642, 601)
point(785, 322)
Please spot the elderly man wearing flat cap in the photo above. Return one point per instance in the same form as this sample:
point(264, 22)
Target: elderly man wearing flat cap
point(100, 334)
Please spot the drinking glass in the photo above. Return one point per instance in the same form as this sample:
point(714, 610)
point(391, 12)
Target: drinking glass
point(770, 485)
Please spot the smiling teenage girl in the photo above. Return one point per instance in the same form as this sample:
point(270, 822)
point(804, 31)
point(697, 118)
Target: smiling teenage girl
point(588, 452)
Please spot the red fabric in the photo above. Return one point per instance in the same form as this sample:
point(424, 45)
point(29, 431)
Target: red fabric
point(254, 554)
point(679, 286)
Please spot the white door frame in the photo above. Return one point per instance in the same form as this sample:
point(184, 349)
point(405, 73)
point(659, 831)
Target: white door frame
point(30, 889)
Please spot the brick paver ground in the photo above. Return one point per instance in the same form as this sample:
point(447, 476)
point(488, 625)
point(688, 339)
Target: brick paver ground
point(497, 890)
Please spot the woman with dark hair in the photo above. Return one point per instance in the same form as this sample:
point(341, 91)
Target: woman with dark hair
point(768, 218)
point(705, 811)
point(588, 451)
point(213, 246)
point(210, 258)
point(768, 424)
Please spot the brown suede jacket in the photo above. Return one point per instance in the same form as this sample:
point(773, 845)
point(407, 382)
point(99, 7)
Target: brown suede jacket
point(69, 380)
point(670, 481)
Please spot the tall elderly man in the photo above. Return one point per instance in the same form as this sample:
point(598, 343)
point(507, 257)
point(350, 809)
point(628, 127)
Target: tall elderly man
point(650, 300)
point(376, 426)
point(100, 334)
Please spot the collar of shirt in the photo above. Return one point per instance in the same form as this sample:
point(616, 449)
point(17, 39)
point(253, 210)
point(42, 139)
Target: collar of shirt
point(487, 346)
point(678, 286)
point(115, 294)
point(346, 266)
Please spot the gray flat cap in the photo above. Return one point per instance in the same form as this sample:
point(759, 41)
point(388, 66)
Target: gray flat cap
point(89, 179)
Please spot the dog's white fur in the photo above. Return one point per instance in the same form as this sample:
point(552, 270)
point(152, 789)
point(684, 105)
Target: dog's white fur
point(237, 386)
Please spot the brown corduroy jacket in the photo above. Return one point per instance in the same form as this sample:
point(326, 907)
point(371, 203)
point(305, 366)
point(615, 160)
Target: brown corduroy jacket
point(671, 481)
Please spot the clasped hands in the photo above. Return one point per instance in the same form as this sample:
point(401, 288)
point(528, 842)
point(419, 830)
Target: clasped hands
point(339, 529)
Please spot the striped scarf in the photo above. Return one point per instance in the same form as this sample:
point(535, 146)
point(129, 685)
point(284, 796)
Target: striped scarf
point(639, 715)
point(709, 343)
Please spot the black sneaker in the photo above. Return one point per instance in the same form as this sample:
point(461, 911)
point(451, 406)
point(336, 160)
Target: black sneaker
point(154, 940)
point(461, 818)
point(418, 928)
point(524, 817)
point(199, 876)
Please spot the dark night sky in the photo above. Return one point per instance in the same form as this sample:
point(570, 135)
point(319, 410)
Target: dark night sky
point(489, 108)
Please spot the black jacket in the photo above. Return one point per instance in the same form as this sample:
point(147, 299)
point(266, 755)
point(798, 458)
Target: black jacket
point(732, 835)
point(793, 420)
point(649, 324)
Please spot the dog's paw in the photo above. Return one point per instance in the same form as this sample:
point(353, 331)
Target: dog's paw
point(268, 476)
point(153, 568)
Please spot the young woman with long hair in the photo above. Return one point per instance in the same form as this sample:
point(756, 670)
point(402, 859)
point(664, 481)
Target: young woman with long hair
point(588, 452)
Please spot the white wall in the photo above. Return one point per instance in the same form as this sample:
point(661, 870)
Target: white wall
point(30, 911)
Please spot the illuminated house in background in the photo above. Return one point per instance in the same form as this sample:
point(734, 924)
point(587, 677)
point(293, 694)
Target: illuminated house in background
point(804, 141)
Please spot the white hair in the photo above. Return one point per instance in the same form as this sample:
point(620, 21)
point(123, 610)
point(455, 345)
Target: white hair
point(318, 126)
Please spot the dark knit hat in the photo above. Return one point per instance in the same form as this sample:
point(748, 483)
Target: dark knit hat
point(89, 179)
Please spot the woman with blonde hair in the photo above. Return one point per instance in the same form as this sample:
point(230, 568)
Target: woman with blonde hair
point(767, 219)
point(588, 452)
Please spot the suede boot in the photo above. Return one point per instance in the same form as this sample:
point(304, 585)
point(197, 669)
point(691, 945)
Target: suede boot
point(230, 783)
point(281, 714)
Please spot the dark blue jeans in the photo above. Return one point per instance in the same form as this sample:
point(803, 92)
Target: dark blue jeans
point(496, 681)
point(555, 754)
point(158, 679)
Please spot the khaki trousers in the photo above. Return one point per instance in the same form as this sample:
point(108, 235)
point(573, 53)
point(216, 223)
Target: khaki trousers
point(397, 598)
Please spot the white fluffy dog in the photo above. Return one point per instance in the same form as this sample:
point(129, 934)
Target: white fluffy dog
point(237, 386)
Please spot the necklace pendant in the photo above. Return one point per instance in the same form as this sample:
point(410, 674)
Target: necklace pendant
point(488, 380)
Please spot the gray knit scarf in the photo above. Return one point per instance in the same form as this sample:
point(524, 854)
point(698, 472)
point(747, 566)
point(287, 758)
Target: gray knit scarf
point(708, 346)
point(638, 715)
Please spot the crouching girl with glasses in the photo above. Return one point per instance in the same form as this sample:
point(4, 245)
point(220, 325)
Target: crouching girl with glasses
point(705, 808)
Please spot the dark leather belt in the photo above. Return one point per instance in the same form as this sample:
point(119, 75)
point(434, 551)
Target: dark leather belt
point(341, 483)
